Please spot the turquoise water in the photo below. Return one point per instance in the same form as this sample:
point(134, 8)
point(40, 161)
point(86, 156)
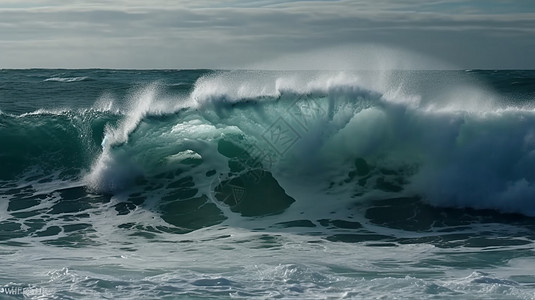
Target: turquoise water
point(267, 184)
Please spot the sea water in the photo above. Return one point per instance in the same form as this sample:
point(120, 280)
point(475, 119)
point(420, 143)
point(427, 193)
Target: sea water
point(143, 184)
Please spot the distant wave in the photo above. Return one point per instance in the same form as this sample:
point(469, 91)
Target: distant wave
point(67, 79)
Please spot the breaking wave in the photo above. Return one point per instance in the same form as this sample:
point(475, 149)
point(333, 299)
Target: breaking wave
point(241, 137)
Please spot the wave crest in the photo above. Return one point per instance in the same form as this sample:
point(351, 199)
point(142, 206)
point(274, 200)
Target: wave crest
point(67, 79)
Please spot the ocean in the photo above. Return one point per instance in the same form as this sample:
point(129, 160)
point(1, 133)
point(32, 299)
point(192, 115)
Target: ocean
point(196, 184)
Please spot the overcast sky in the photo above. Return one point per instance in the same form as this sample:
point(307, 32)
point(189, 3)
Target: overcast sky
point(486, 34)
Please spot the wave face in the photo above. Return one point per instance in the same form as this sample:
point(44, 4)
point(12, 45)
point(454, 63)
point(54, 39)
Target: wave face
point(260, 184)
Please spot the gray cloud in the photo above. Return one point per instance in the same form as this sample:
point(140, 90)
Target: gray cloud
point(228, 34)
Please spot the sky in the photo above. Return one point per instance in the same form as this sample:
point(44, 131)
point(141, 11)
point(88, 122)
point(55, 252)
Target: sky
point(171, 34)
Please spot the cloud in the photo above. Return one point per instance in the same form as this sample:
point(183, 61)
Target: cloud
point(215, 34)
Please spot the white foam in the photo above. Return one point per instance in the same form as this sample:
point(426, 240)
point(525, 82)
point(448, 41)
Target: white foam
point(106, 103)
point(109, 173)
point(67, 79)
point(113, 170)
point(41, 111)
